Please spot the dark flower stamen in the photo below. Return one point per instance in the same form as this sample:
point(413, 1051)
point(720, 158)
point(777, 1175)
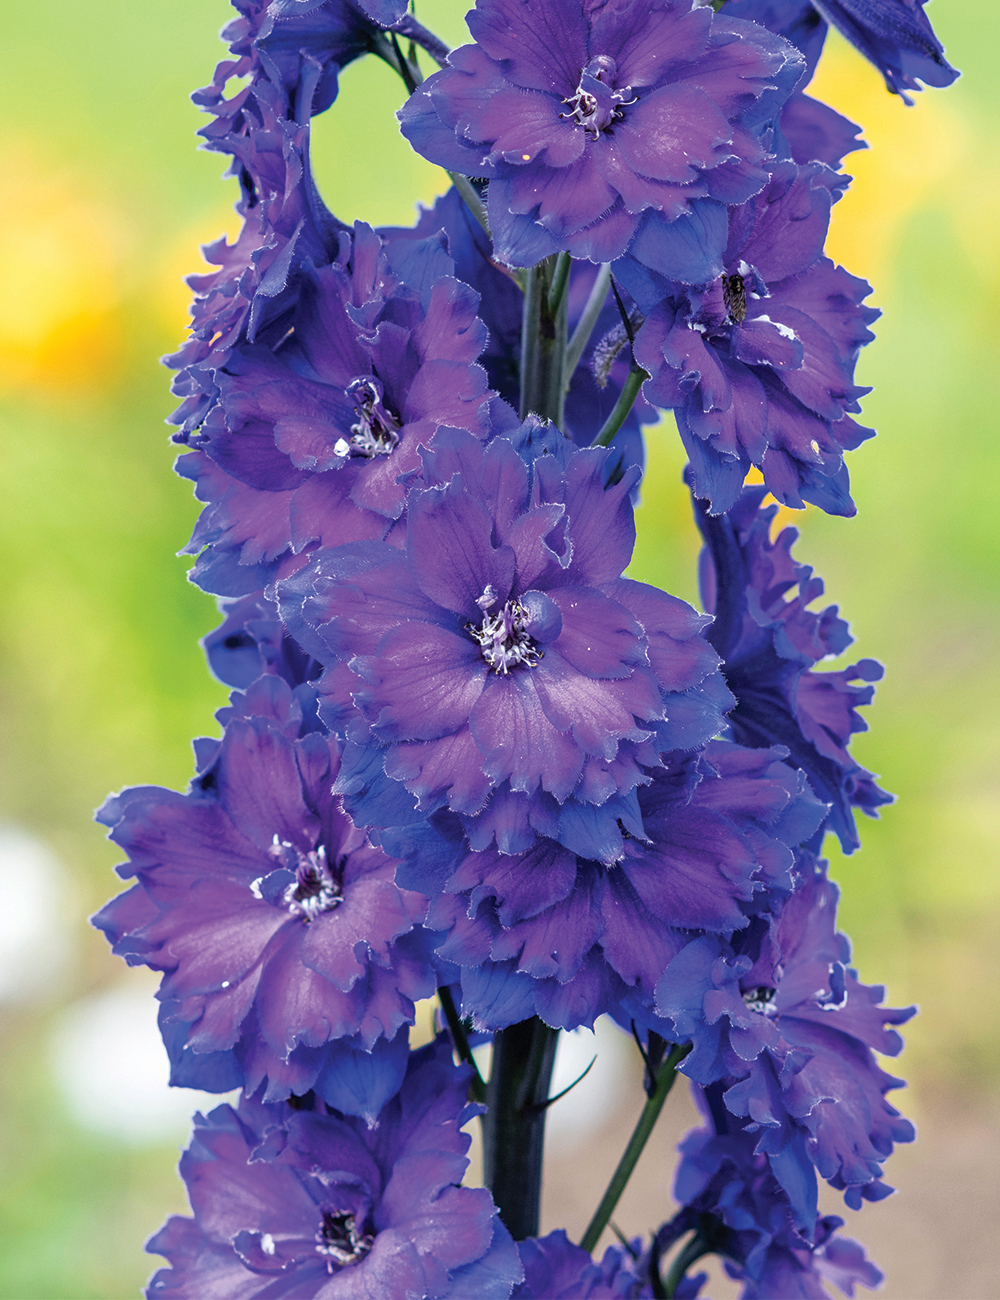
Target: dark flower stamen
point(503, 636)
point(595, 106)
point(314, 890)
point(376, 430)
point(760, 999)
point(734, 294)
point(339, 1241)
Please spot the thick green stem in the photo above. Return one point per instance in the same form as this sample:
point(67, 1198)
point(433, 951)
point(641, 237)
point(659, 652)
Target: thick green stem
point(585, 326)
point(543, 344)
point(560, 282)
point(626, 400)
point(514, 1123)
point(640, 1136)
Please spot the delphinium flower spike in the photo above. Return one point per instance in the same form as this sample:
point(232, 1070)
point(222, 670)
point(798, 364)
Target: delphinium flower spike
point(465, 755)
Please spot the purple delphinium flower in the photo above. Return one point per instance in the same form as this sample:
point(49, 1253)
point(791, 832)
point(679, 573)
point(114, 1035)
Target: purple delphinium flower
point(553, 933)
point(770, 643)
point(813, 132)
point(251, 640)
point(289, 956)
point(496, 655)
point(596, 383)
point(739, 1210)
point(584, 117)
point(290, 1203)
point(557, 1269)
point(758, 365)
point(264, 129)
point(311, 437)
point(778, 1014)
point(895, 35)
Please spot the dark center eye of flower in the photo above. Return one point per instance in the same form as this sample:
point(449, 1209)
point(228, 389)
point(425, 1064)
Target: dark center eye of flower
point(596, 105)
point(503, 636)
point(315, 889)
point(338, 1239)
point(376, 430)
point(760, 999)
point(734, 294)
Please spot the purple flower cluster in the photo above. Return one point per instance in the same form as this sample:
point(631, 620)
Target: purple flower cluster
point(467, 756)
point(312, 1202)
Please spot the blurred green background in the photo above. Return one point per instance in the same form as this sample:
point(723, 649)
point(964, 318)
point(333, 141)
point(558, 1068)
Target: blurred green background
point(102, 683)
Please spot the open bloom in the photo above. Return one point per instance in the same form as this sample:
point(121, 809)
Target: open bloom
point(553, 933)
point(290, 1203)
point(585, 117)
point(770, 642)
point(759, 363)
point(780, 1017)
point(313, 432)
point(499, 651)
point(895, 35)
point(290, 958)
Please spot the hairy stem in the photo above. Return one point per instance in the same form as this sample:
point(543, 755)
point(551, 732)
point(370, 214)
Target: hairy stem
point(640, 1136)
point(419, 35)
point(543, 343)
point(514, 1124)
point(467, 193)
point(626, 400)
point(585, 326)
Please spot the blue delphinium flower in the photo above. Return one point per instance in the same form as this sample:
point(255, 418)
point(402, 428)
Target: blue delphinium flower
point(780, 1016)
point(736, 1207)
point(583, 118)
point(290, 958)
point(495, 653)
point(264, 128)
point(770, 642)
point(251, 640)
point(312, 435)
point(895, 35)
point(557, 1269)
point(290, 1203)
point(554, 933)
point(759, 364)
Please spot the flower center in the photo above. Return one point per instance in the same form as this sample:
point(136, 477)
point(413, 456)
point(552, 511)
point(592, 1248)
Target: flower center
point(734, 295)
point(760, 999)
point(339, 1242)
point(502, 636)
point(314, 889)
point(596, 105)
point(376, 430)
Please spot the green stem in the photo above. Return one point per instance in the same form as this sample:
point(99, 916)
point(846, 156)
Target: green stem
point(640, 1136)
point(543, 345)
point(560, 280)
point(458, 1036)
point(585, 325)
point(514, 1123)
point(695, 1249)
point(626, 400)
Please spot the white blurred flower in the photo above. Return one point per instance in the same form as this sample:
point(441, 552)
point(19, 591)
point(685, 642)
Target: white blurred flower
point(593, 1101)
point(36, 926)
point(111, 1068)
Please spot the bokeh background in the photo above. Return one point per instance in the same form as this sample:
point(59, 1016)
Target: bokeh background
point(102, 683)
